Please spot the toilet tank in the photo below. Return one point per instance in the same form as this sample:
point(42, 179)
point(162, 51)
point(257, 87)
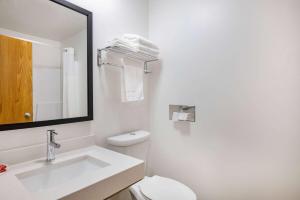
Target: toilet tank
point(135, 144)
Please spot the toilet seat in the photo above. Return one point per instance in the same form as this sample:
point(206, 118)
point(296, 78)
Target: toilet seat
point(160, 188)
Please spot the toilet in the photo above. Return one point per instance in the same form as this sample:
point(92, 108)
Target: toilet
point(136, 144)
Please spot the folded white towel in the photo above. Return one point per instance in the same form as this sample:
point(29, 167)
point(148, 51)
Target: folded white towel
point(138, 48)
point(146, 49)
point(139, 40)
point(132, 88)
point(120, 43)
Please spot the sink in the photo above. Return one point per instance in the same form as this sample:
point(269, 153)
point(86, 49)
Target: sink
point(87, 173)
point(55, 175)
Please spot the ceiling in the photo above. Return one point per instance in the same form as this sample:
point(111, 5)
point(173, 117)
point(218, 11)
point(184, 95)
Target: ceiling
point(41, 18)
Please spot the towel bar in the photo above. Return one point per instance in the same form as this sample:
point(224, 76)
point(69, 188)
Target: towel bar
point(128, 53)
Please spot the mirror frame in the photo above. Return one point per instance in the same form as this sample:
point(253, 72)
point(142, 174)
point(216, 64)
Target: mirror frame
point(89, 117)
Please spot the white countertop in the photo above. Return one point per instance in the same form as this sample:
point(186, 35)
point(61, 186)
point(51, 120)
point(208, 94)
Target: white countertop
point(11, 187)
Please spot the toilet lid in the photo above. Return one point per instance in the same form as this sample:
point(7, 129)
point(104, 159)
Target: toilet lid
point(160, 188)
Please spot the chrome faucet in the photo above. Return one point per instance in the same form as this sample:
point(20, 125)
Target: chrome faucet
point(51, 145)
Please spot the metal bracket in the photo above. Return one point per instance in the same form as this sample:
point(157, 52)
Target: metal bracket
point(100, 61)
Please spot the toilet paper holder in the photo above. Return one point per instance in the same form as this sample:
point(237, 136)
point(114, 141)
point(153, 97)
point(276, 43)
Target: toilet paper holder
point(182, 113)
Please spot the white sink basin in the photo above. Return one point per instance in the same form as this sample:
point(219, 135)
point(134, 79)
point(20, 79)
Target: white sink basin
point(89, 173)
point(55, 175)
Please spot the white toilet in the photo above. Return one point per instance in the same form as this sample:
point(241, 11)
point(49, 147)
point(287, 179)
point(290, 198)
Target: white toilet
point(136, 144)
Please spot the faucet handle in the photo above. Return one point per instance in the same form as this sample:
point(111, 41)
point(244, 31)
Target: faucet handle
point(55, 133)
point(52, 131)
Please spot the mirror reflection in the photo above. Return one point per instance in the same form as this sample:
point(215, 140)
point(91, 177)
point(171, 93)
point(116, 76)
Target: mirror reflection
point(43, 62)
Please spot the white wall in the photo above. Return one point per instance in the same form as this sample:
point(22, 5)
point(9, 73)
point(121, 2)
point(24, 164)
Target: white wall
point(238, 62)
point(113, 18)
point(110, 18)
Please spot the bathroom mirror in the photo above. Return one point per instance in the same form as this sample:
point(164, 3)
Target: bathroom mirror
point(45, 63)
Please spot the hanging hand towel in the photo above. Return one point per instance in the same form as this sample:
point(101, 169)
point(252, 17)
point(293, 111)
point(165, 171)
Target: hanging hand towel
point(132, 83)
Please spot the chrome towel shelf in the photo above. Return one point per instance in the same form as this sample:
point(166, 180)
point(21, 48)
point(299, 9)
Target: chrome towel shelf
point(128, 53)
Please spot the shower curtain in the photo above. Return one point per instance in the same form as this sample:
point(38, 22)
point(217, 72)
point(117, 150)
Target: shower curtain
point(72, 103)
